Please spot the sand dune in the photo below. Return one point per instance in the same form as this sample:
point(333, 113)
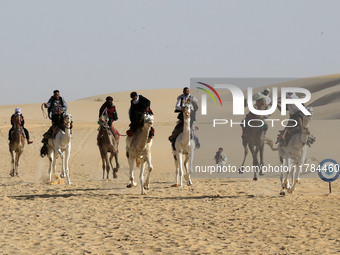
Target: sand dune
point(214, 216)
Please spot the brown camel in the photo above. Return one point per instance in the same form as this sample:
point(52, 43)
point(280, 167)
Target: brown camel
point(254, 138)
point(16, 145)
point(107, 143)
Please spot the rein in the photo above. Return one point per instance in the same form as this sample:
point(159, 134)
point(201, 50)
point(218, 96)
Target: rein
point(43, 112)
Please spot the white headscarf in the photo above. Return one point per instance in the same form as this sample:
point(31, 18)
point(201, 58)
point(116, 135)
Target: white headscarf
point(17, 111)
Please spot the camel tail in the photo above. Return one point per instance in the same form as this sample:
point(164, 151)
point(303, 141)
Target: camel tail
point(271, 144)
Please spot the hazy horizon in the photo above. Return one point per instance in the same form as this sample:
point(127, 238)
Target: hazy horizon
point(103, 47)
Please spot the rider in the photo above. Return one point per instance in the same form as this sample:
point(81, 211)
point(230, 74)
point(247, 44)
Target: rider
point(56, 108)
point(109, 109)
point(261, 101)
point(22, 123)
point(185, 98)
point(294, 113)
point(139, 105)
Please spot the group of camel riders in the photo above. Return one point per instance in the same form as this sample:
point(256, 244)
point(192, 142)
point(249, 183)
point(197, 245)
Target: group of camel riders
point(140, 105)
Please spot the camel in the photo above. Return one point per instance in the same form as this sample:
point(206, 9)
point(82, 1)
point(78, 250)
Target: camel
point(61, 145)
point(254, 138)
point(107, 143)
point(16, 145)
point(138, 150)
point(184, 146)
point(293, 155)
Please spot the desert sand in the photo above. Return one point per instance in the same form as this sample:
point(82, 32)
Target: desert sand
point(226, 215)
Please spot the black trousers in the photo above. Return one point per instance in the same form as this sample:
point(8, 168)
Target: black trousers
point(58, 120)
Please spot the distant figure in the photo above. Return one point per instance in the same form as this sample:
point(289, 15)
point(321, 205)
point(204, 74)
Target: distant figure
point(17, 112)
point(220, 157)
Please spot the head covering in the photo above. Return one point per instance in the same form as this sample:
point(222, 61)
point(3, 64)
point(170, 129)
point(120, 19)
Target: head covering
point(109, 98)
point(267, 89)
point(17, 111)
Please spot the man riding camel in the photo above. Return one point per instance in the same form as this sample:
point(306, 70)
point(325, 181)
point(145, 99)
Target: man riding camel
point(185, 98)
point(109, 110)
point(139, 105)
point(22, 124)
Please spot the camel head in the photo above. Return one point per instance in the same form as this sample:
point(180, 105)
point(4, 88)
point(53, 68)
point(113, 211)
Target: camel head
point(186, 110)
point(307, 119)
point(67, 119)
point(103, 119)
point(148, 119)
point(17, 120)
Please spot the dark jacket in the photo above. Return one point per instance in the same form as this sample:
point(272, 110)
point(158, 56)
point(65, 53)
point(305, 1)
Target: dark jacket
point(142, 106)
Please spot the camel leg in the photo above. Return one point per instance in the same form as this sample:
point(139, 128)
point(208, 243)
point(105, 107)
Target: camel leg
point(289, 172)
point(66, 169)
point(177, 172)
point(102, 155)
point(255, 162)
point(180, 163)
point(189, 170)
point(131, 182)
point(150, 167)
point(52, 158)
point(113, 169)
point(17, 157)
point(107, 164)
point(298, 169)
point(11, 173)
point(240, 171)
point(261, 159)
point(141, 175)
point(282, 179)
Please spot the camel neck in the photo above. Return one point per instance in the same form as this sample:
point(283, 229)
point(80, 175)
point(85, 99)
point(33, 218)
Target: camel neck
point(186, 130)
point(144, 137)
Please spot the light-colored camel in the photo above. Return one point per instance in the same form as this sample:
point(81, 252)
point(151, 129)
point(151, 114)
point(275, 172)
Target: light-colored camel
point(185, 146)
point(107, 143)
point(16, 145)
point(254, 138)
point(61, 146)
point(139, 150)
point(293, 155)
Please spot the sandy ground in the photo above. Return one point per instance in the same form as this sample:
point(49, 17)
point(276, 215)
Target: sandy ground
point(214, 216)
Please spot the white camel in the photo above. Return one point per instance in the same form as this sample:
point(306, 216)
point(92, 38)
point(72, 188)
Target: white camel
point(138, 149)
point(61, 145)
point(293, 155)
point(184, 146)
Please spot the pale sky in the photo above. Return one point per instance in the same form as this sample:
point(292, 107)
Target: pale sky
point(85, 48)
